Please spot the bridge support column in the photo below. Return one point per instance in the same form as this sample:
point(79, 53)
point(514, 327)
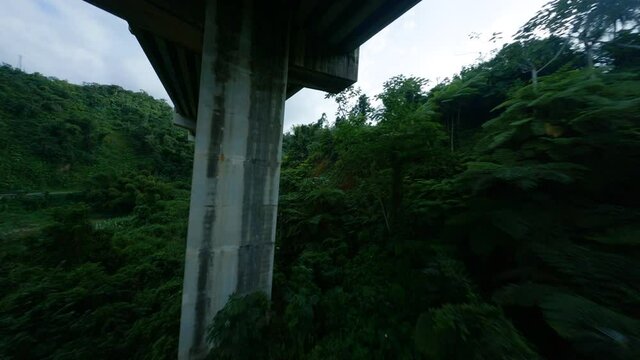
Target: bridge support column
point(236, 172)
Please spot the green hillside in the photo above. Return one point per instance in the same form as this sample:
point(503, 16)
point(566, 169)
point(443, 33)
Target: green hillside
point(92, 238)
point(55, 135)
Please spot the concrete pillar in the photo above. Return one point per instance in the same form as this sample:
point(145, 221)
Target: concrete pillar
point(236, 172)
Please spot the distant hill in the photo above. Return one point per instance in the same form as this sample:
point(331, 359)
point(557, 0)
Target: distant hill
point(54, 135)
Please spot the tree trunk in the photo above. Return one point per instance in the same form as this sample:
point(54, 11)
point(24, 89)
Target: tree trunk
point(589, 53)
point(457, 126)
point(451, 129)
point(396, 188)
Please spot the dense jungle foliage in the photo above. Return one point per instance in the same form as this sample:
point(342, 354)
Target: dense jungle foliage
point(54, 135)
point(494, 215)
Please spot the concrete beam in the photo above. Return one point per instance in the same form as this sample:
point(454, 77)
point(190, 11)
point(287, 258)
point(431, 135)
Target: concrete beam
point(330, 73)
point(184, 122)
point(234, 193)
point(145, 15)
point(177, 68)
point(361, 20)
point(308, 67)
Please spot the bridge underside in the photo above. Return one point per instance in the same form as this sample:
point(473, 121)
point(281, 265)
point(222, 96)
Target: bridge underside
point(229, 66)
point(323, 50)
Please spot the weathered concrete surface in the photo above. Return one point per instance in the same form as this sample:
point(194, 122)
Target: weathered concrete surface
point(236, 171)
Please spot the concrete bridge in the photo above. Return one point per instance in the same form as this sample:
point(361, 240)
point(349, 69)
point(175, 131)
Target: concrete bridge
point(228, 66)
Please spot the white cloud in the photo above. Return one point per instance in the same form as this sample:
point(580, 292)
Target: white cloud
point(74, 41)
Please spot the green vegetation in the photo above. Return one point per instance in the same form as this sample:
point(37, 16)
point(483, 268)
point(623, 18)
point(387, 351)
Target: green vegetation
point(492, 216)
point(54, 135)
point(94, 271)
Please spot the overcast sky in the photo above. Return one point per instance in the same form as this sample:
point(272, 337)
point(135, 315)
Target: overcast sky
point(72, 40)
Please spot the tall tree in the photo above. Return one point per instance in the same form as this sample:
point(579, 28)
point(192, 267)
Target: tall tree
point(586, 22)
point(535, 56)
